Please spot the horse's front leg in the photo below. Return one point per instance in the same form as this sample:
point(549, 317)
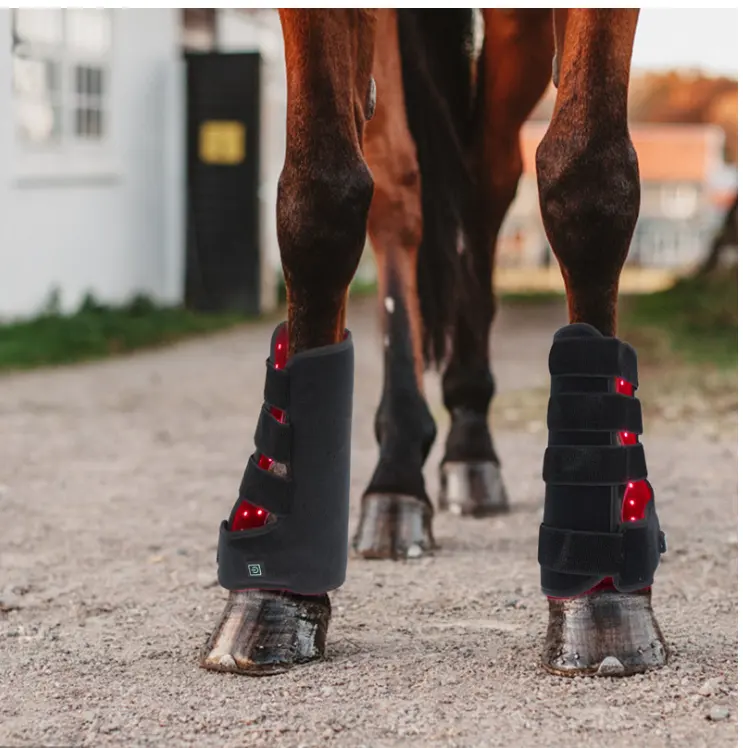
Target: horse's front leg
point(600, 542)
point(285, 545)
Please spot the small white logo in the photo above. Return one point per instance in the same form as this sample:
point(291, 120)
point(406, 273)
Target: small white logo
point(255, 570)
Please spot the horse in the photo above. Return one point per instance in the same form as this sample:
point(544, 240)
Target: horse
point(404, 125)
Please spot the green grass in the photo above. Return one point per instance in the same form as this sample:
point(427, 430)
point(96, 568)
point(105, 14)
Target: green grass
point(96, 331)
point(527, 298)
point(696, 319)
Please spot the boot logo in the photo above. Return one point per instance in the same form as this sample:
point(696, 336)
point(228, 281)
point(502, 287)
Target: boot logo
point(255, 570)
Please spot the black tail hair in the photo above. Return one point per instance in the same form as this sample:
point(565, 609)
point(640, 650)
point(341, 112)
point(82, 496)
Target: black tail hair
point(436, 56)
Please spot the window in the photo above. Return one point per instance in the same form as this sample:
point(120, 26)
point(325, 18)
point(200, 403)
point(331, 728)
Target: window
point(679, 200)
point(61, 68)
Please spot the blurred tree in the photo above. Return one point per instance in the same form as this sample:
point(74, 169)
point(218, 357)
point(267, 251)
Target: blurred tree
point(726, 237)
point(683, 97)
point(691, 98)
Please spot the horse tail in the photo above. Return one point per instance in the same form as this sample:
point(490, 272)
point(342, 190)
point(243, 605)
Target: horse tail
point(436, 51)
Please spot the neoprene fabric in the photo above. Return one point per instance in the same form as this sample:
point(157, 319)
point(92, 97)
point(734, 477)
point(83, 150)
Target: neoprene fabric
point(305, 550)
point(586, 469)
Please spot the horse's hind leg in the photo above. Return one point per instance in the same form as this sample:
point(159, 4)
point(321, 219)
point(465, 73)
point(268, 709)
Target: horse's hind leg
point(600, 542)
point(324, 195)
point(514, 71)
point(396, 513)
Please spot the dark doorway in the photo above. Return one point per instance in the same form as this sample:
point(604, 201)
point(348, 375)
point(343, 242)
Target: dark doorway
point(223, 253)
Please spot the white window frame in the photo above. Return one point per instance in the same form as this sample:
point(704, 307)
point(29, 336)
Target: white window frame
point(679, 200)
point(69, 158)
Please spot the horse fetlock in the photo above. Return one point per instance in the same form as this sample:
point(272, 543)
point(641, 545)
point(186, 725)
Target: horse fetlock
point(469, 437)
point(404, 424)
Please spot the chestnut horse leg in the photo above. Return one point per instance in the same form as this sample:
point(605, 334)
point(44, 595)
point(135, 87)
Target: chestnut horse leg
point(589, 191)
point(396, 513)
point(324, 194)
point(514, 72)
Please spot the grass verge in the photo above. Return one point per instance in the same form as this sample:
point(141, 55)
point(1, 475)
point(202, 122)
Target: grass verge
point(97, 330)
point(696, 320)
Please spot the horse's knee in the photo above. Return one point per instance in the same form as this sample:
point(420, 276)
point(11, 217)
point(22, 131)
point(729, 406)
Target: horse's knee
point(589, 194)
point(321, 221)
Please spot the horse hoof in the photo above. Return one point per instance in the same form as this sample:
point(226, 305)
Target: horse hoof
point(604, 633)
point(263, 632)
point(473, 489)
point(394, 526)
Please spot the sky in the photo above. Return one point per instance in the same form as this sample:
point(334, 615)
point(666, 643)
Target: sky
point(693, 38)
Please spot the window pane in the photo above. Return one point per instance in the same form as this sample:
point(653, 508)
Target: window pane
point(88, 81)
point(38, 122)
point(88, 123)
point(38, 25)
point(38, 79)
point(96, 82)
point(96, 128)
point(79, 122)
point(89, 29)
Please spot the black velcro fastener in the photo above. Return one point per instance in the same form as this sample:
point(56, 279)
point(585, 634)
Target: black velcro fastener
point(593, 357)
point(273, 438)
point(631, 555)
point(276, 389)
point(266, 489)
point(574, 552)
point(594, 411)
point(594, 465)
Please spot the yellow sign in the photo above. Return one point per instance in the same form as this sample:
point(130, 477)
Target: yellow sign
point(222, 142)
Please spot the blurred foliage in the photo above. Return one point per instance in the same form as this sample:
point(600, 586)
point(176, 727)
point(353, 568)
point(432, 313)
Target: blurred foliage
point(97, 330)
point(696, 319)
point(675, 96)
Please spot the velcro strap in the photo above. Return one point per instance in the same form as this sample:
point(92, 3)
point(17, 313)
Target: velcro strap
point(594, 411)
point(266, 489)
point(575, 552)
point(594, 465)
point(632, 553)
point(593, 357)
point(273, 438)
point(276, 389)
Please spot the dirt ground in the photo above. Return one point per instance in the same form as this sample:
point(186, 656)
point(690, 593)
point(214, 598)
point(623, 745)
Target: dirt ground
point(115, 475)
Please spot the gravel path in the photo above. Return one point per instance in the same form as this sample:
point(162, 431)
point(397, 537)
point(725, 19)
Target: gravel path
point(115, 475)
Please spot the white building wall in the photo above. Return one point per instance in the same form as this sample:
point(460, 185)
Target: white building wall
point(112, 225)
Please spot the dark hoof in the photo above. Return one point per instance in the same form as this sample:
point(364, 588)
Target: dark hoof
point(394, 526)
point(603, 633)
point(472, 489)
point(264, 633)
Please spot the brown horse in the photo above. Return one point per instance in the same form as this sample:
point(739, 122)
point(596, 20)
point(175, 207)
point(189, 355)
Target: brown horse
point(409, 97)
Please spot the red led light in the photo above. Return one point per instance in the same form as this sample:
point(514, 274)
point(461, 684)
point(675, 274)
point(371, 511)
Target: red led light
point(249, 516)
point(638, 493)
point(624, 387)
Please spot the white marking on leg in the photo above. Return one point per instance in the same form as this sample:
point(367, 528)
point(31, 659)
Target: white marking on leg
point(389, 304)
point(386, 341)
